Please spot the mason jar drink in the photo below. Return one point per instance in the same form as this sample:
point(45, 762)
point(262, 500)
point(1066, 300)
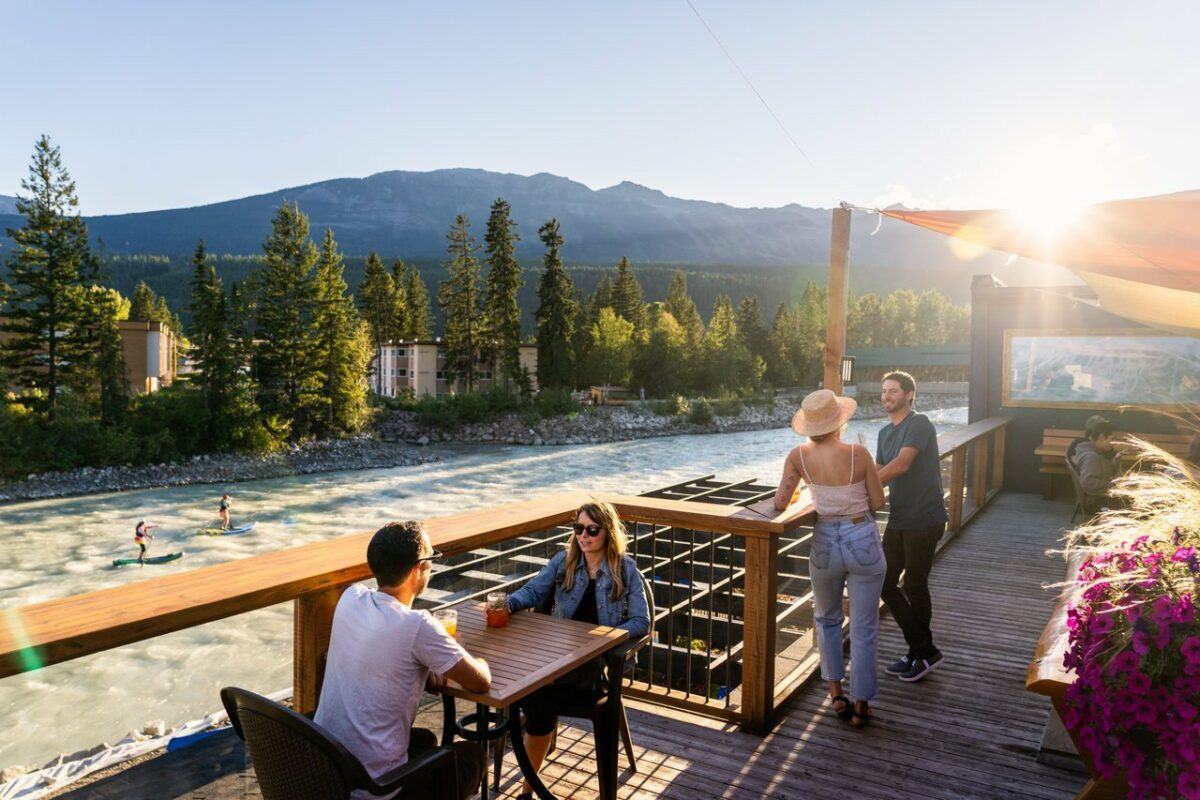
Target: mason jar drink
point(448, 618)
point(496, 609)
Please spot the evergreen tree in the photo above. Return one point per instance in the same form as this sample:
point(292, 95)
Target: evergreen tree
point(101, 312)
point(731, 366)
point(459, 299)
point(588, 317)
point(556, 314)
point(612, 347)
point(659, 365)
point(752, 329)
point(420, 315)
point(679, 304)
point(377, 300)
point(627, 298)
point(231, 414)
point(500, 307)
point(47, 275)
point(400, 323)
point(343, 347)
point(285, 352)
point(781, 368)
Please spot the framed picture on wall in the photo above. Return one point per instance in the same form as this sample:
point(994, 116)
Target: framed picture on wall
point(1101, 368)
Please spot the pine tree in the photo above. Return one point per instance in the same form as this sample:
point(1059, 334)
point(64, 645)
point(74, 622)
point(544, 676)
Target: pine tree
point(285, 354)
point(679, 304)
point(377, 301)
point(400, 323)
point(589, 315)
point(459, 299)
point(555, 315)
point(231, 414)
point(343, 345)
point(752, 329)
point(103, 381)
point(500, 307)
point(731, 366)
point(420, 315)
point(781, 369)
point(627, 298)
point(47, 276)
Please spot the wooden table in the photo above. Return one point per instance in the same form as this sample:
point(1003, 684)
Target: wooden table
point(532, 651)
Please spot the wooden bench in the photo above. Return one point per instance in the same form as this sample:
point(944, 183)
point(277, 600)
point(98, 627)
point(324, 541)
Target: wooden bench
point(1046, 676)
point(1053, 450)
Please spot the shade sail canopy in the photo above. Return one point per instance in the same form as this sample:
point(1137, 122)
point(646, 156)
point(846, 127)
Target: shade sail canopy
point(1141, 256)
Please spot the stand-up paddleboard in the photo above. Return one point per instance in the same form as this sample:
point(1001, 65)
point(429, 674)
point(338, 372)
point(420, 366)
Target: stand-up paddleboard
point(249, 526)
point(168, 558)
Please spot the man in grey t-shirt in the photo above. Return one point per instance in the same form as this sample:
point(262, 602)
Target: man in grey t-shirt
point(907, 454)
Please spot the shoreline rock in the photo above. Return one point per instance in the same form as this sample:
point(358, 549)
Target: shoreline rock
point(361, 452)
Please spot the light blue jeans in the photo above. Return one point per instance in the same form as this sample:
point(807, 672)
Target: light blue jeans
point(846, 554)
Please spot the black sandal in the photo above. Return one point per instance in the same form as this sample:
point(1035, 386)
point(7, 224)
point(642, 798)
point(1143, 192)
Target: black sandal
point(859, 719)
point(847, 709)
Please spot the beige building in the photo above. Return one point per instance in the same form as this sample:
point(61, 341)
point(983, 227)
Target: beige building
point(148, 349)
point(418, 366)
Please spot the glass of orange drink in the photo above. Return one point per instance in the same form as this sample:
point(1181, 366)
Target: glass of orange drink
point(448, 618)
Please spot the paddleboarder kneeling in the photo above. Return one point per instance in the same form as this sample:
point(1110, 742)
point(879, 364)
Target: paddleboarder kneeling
point(142, 534)
point(223, 512)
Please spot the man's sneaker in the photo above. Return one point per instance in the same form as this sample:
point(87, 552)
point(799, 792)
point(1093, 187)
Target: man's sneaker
point(921, 667)
point(899, 666)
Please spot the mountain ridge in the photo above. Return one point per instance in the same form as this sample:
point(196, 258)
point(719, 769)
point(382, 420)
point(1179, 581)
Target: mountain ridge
point(406, 214)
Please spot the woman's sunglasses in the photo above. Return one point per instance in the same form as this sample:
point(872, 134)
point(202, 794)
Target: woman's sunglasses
point(587, 530)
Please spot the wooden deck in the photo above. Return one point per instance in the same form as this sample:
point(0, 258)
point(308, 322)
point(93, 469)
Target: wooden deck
point(969, 731)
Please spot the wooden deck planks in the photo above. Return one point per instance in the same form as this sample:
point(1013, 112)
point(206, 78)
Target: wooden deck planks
point(970, 731)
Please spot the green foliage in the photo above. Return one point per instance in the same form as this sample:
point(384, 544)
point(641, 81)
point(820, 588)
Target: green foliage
point(729, 406)
point(459, 299)
point(661, 364)
point(555, 402)
point(343, 348)
point(420, 317)
point(627, 299)
point(286, 362)
point(673, 406)
point(501, 310)
point(701, 412)
point(556, 314)
point(377, 301)
point(48, 276)
point(612, 348)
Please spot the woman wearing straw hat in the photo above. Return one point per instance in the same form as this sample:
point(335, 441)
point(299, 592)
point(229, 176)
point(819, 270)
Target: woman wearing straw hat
point(846, 549)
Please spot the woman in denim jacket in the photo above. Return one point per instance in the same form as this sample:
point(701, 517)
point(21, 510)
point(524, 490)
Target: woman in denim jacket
point(593, 581)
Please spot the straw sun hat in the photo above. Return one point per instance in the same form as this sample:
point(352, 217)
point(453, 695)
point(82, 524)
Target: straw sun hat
point(821, 412)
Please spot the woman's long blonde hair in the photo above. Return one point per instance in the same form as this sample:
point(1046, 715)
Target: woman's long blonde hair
point(604, 515)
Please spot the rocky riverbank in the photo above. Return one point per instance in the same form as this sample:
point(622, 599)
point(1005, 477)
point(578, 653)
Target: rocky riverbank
point(362, 452)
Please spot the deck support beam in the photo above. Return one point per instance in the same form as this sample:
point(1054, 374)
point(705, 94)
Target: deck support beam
point(837, 298)
point(759, 628)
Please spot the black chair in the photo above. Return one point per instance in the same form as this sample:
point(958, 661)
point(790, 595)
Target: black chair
point(296, 759)
point(594, 710)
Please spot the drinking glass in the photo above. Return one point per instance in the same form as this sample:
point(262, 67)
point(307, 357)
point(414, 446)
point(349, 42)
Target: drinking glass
point(448, 618)
point(496, 609)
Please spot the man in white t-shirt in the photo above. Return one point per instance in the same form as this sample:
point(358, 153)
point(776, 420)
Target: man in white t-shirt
point(383, 654)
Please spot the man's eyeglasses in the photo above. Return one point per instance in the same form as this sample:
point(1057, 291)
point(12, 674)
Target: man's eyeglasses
point(434, 556)
point(587, 530)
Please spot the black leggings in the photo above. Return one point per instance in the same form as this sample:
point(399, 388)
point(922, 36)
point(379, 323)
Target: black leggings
point(580, 686)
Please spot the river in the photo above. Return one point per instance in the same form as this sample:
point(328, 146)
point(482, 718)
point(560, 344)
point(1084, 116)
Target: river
point(55, 548)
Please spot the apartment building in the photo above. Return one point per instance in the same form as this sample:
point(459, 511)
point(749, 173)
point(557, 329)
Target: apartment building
point(419, 367)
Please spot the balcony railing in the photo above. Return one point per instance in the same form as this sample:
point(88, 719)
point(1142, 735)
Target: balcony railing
point(734, 607)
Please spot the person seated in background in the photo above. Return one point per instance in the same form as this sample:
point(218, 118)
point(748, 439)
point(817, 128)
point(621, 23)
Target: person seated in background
point(383, 654)
point(1095, 460)
point(593, 581)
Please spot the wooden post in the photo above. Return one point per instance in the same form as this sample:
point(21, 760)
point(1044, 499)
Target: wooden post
point(998, 457)
point(958, 478)
point(313, 615)
point(837, 298)
point(758, 626)
point(979, 481)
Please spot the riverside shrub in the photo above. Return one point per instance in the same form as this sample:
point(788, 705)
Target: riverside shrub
point(701, 412)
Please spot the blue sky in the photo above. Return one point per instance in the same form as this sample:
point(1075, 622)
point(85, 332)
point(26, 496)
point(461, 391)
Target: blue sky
point(958, 104)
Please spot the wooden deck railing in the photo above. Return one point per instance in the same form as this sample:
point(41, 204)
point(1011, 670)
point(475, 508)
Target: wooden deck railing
point(313, 577)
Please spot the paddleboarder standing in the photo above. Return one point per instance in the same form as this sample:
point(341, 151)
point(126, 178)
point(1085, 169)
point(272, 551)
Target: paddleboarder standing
point(142, 536)
point(223, 512)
